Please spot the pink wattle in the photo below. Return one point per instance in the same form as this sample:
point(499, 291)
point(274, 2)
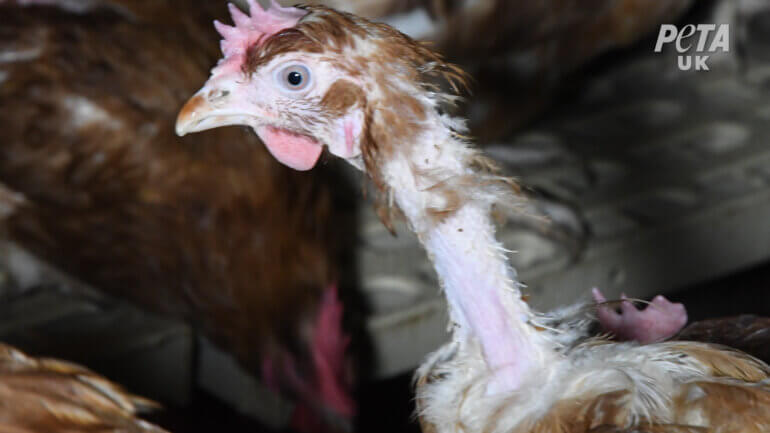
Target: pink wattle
point(293, 150)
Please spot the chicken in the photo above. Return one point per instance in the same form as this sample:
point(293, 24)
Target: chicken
point(95, 182)
point(522, 51)
point(746, 332)
point(557, 32)
point(311, 78)
point(47, 395)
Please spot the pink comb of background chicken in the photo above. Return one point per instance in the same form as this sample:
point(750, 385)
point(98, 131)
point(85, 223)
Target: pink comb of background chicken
point(330, 344)
point(253, 28)
point(329, 347)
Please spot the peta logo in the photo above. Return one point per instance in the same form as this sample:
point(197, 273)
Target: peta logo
point(695, 43)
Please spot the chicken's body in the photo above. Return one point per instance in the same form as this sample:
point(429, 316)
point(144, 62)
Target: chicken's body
point(209, 228)
point(50, 396)
point(747, 332)
point(309, 78)
point(601, 386)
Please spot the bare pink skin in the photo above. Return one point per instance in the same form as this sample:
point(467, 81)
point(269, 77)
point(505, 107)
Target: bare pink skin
point(295, 151)
point(330, 386)
point(660, 320)
point(349, 137)
point(472, 280)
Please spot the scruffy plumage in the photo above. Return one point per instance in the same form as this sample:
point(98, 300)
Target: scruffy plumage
point(555, 32)
point(521, 52)
point(502, 371)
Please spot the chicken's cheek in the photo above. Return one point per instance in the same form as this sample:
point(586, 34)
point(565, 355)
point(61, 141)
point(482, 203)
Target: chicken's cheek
point(293, 150)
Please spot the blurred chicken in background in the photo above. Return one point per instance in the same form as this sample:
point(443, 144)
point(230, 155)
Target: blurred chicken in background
point(96, 182)
point(519, 52)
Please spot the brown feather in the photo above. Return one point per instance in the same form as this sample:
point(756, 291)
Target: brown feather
point(47, 395)
point(725, 407)
point(747, 333)
point(209, 228)
point(524, 49)
point(726, 362)
point(734, 397)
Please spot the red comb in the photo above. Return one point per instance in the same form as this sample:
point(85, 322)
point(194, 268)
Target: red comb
point(252, 28)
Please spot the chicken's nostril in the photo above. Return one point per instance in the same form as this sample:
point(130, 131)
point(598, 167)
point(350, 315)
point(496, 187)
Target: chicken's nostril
point(217, 95)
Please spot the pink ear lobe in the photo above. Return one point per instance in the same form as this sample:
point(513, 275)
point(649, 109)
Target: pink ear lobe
point(350, 127)
point(349, 136)
point(295, 151)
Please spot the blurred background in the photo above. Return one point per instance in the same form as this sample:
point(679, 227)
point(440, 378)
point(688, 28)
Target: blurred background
point(200, 273)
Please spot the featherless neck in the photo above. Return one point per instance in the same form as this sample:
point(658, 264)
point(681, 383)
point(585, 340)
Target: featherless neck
point(435, 185)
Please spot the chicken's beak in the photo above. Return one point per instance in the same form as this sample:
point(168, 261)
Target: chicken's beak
point(223, 103)
point(210, 108)
point(189, 117)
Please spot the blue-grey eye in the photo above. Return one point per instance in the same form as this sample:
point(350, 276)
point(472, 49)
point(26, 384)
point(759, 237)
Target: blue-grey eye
point(295, 77)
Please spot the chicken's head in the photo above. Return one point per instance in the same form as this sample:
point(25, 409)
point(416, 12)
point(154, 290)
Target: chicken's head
point(305, 78)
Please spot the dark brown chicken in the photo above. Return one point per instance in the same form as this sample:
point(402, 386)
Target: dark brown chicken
point(209, 228)
point(746, 332)
point(48, 395)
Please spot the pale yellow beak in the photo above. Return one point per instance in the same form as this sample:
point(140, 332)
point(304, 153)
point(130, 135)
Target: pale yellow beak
point(213, 106)
point(189, 118)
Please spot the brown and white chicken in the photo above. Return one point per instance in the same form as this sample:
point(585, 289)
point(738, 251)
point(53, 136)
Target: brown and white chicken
point(209, 228)
point(557, 33)
point(311, 78)
point(43, 395)
point(522, 52)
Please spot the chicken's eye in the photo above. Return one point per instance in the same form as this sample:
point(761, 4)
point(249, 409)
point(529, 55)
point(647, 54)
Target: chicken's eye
point(294, 78)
